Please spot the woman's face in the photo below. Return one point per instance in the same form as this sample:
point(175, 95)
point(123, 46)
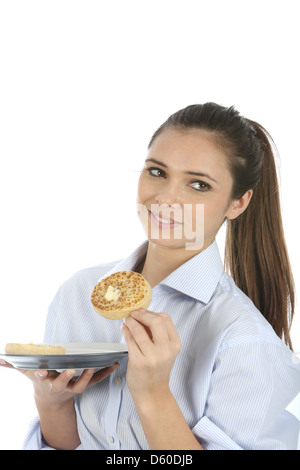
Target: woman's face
point(184, 190)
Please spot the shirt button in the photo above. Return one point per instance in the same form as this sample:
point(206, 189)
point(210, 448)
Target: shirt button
point(111, 439)
point(117, 380)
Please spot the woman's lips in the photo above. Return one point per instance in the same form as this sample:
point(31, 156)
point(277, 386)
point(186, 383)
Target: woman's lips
point(162, 222)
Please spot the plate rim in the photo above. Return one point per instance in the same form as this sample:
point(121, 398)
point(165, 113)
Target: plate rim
point(63, 361)
point(73, 359)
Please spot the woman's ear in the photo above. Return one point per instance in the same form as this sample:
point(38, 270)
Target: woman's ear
point(238, 206)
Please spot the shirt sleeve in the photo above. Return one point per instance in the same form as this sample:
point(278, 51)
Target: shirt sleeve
point(34, 439)
point(251, 385)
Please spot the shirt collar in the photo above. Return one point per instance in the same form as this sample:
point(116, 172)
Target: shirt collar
point(197, 278)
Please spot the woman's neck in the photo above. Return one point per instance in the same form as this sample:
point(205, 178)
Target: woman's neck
point(161, 261)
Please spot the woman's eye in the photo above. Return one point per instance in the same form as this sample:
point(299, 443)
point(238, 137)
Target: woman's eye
point(201, 186)
point(198, 185)
point(155, 172)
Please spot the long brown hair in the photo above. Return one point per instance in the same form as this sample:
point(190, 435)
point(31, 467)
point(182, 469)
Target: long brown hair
point(255, 250)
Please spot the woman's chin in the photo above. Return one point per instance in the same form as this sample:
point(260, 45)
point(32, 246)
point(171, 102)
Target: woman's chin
point(167, 242)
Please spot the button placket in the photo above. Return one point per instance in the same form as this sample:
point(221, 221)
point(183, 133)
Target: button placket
point(116, 381)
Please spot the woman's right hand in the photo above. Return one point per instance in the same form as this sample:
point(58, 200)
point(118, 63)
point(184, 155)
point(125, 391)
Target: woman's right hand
point(55, 389)
point(58, 388)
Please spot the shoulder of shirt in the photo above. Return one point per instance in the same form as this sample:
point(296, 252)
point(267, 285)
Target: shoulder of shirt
point(244, 322)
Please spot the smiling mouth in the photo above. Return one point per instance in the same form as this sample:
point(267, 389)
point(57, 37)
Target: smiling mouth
point(163, 220)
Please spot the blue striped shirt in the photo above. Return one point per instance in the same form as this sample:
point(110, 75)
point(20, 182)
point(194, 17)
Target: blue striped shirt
point(232, 379)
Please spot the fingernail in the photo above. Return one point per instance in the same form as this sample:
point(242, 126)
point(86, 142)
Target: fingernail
point(70, 372)
point(40, 374)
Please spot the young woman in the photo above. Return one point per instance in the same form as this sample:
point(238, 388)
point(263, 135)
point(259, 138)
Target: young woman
point(207, 367)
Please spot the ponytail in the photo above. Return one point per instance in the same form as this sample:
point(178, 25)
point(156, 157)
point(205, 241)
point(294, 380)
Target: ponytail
point(255, 250)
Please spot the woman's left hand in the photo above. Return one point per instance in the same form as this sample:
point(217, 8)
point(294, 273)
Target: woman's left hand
point(153, 345)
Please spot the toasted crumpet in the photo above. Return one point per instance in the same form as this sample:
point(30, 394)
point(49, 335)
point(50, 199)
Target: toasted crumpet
point(115, 296)
point(18, 348)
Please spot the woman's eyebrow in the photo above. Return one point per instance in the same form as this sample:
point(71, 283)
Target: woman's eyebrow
point(156, 161)
point(187, 172)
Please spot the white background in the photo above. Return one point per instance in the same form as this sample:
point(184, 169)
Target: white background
point(83, 85)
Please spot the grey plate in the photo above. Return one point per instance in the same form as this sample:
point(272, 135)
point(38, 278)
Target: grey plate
point(78, 356)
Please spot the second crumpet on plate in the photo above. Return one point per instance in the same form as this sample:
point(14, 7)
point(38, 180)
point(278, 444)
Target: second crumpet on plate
point(119, 294)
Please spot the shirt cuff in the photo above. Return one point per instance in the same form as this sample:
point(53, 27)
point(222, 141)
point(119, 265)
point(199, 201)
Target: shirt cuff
point(213, 438)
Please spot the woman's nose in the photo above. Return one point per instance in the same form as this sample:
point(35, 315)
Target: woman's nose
point(168, 195)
